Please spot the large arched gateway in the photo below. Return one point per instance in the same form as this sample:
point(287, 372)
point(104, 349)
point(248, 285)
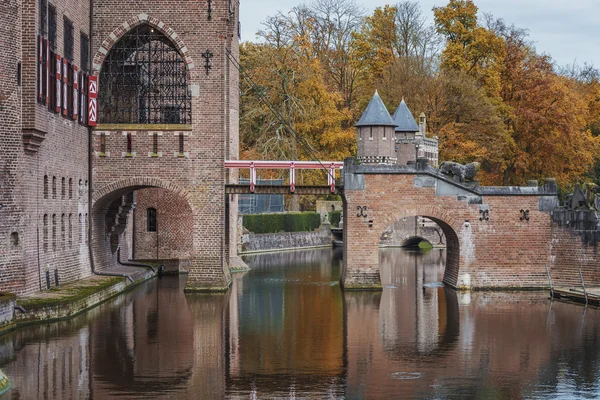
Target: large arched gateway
point(167, 120)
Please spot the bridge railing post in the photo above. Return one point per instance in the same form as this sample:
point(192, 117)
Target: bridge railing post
point(292, 177)
point(252, 177)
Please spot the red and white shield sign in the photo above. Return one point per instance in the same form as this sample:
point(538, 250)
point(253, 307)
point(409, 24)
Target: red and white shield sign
point(93, 101)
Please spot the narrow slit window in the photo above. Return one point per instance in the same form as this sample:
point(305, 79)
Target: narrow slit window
point(45, 233)
point(155, 143)
point(63, 189)
point(129, 143)
point(70, 188)
point(54, 232)
point(45, 186)
point(151, 219)
point(70, 230)
point(181, 142)
point(62, 230)
point(102, 143)
point(54, 187)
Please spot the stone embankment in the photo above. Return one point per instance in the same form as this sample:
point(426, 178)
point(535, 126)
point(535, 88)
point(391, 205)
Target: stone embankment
point(265, 242)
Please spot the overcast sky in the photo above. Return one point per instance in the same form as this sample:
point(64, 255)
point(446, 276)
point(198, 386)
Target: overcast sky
point(567, 30)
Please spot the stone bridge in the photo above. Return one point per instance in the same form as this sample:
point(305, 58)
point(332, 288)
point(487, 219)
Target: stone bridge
point(496, 237)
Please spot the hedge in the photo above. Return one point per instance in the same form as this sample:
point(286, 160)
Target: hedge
point(334, 218)
point(285, 222)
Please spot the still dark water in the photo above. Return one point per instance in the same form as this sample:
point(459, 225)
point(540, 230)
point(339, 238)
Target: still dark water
point(286, 330)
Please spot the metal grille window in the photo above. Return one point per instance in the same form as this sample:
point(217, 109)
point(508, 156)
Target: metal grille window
point(52, 26)
point(181, 142)
point(144, 81)
point(68, 39)
point(151, 220)
point(84, 52)
point(43, 17)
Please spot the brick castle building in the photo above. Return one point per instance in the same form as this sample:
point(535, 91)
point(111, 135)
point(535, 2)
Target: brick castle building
point(115, 119)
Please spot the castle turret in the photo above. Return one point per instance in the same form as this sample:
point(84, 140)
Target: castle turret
point(406, 126)
point(406, 133)
point(422, 124)
point(376, 140)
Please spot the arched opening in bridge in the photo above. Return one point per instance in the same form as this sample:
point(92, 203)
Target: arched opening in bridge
point(416, 242)
point(151, 225)
point(412, 232)
point(401, 233)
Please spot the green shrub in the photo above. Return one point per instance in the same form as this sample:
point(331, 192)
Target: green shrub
point(285, 222)
point(334, 218)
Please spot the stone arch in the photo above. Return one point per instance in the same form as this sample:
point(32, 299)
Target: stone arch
point(131, 23)
point(124, 186)
point(449, 225)
point(414, 241)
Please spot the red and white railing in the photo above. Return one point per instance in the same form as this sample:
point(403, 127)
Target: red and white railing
point(330, 166)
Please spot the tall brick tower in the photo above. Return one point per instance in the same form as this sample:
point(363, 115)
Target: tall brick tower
point(167, 120)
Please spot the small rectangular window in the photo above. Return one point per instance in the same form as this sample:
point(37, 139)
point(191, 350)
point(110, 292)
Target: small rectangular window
point(129, 143)
point(102, 143)
point(181, 142)
point(84, 52)
point(370, 133)
point(19, 74)
point(151, 214)
point(68, 39)
point(155, 143)
point(43, 17)
point(52, 26)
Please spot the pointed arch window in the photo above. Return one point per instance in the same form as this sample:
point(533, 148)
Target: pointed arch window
point(144, 81)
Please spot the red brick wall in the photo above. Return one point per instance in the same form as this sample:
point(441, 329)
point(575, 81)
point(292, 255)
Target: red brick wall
point(501, 252)
point(571, 251)
point(62, 154)
point(213, 136)
point(173, 239)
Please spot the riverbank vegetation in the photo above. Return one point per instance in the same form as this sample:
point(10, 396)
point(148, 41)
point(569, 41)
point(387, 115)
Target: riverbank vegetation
point(488, 94)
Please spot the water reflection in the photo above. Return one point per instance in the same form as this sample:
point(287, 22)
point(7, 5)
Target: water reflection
point(286, 329)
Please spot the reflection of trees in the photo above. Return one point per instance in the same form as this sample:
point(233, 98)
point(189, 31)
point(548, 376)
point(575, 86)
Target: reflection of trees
point(290, 323)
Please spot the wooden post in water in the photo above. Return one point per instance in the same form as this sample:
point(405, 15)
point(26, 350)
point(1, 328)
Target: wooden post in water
point(583, 286)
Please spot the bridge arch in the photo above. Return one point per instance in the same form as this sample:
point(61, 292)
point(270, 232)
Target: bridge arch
point(449, 225)
point(131, 23)
point(111, 191)
point(414, 241)
point(113, 225)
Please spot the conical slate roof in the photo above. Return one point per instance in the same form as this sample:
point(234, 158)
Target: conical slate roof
point(404, 120)
point(376, 114)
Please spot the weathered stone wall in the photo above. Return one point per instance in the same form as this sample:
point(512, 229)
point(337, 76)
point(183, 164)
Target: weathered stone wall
point(289, 240)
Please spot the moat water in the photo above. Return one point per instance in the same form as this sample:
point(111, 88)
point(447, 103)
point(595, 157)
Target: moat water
point(286, 330)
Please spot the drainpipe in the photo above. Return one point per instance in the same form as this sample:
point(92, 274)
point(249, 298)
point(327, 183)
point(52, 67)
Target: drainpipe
point(90, 152)
point(130, 264)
